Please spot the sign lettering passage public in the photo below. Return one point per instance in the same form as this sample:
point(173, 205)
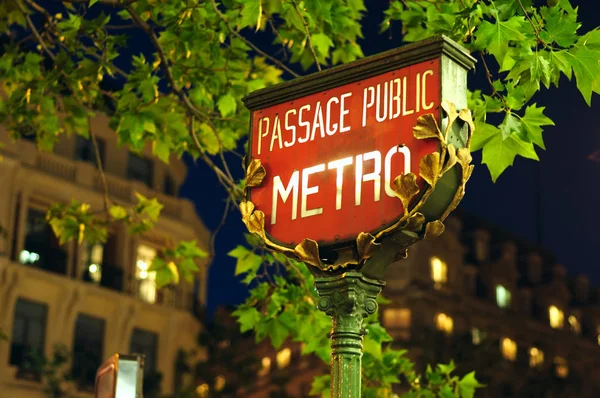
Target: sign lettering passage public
point(331, 157)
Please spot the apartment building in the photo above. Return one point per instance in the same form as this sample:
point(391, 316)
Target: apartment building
point(94, 300)
point(490, 302)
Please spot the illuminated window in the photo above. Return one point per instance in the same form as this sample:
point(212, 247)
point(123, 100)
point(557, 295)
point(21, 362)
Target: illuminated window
point(536, 357)
point(574, 324)
point(477, 336)
point(265, 366)
point(396, 317)
point(283, 358)
point(509, 349)
point(439, 272)
point(219, 383)
point(146, 280)
point(598, 333)
point(202, 390)
point(562, 368)
point(503, 296)
point(91, 261)
point(444, 323)
point(557, 317)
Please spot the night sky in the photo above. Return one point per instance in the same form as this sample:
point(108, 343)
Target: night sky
point(564, 188)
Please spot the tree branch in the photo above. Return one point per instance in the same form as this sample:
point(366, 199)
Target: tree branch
point(99, 164)
point(535, 28)
point(250, 44)
point(34, 30)
point(308, 37)
point(114, 3)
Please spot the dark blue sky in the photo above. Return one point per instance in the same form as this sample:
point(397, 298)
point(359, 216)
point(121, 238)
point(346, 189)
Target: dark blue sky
point(568, 198)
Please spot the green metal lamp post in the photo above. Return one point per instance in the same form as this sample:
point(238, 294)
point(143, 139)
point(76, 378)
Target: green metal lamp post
point(348, 299)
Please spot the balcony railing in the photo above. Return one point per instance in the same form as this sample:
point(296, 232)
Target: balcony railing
point(56, 165)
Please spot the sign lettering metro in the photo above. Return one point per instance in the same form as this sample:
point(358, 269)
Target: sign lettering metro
point(330, 157)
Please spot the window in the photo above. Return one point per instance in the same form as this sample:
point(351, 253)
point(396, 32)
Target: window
point(85, 151)
point(139, 169)
point(219, 383)
point(574, 324)
point(503, 296)
point(28, 332)
point(477, 336)
point(283, 358)
point(91, 261)
point(265, 366)
point(396, 318)
point(202, 390)
point(598, 333)
point(439, 272)
point(146, 280)
point(88, 348)
point(169, 185)
point(145, 342)
point(557, 317)
point(561, 367)
point(536, 357)
point(41, 246)
point(509, 349)
point(444, 323)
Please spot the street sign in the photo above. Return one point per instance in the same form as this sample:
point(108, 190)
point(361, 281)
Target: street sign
point(329, 146)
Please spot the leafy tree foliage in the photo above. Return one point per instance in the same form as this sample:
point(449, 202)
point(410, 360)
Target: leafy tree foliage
point(172, 73)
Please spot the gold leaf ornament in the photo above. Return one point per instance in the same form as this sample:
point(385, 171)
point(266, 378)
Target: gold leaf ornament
point(414, 223)
point(255, 173)
point(426, 127)
point(434, 229)
point(466, 116)
point(366, 245)
point(430, 168)
point(450, 110)
point(451, 158)
point(308, 251)
point(406, 188)
point(254, 220)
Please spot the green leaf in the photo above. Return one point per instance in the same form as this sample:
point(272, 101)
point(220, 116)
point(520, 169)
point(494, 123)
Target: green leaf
point(277, 332)
point(248, 262)
point(559, 26)
point(467, 385)
point(532, 124)
point(584, 61)
point(227, 105)
point(161, 150)
point(495, 37)
point(251, 13)
point(247, 318)
point(511, 124)
point(322, 43)
point(118, 212)
point(447, 369)
point(320, 386)
point(92, 2)
point(498, 153)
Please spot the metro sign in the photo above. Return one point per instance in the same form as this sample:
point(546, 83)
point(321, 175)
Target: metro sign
point(333, 142)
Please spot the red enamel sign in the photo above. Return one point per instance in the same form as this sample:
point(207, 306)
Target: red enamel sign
point(330, 157)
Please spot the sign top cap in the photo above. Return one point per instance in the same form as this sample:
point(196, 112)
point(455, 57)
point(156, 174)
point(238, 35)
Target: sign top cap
point(386, 61)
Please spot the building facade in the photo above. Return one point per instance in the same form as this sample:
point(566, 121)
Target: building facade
point(490, 302)
point(93, 300)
